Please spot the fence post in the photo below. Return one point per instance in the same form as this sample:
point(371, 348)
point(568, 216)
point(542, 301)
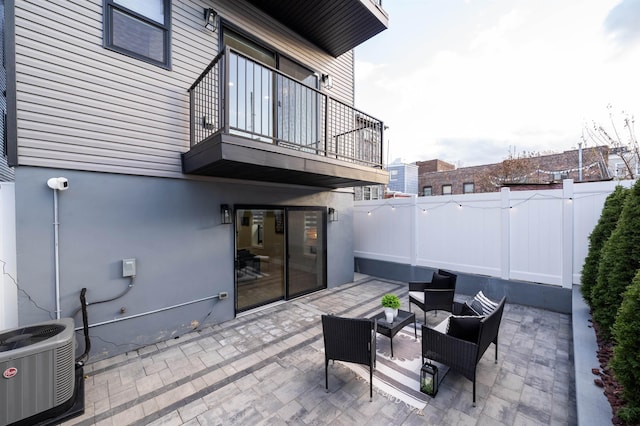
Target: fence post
point(505, 234)
point(567, 233)
point(413, 231)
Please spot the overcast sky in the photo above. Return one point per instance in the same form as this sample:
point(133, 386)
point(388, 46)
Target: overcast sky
point(468, 81)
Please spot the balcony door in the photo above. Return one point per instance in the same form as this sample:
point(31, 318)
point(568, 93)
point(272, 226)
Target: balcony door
point(251, 88)
point(280, 254)
point(267, 105)
point(298, 107)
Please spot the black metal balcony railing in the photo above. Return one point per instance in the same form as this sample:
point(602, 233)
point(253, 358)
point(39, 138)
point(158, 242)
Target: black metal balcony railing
point(240, 96)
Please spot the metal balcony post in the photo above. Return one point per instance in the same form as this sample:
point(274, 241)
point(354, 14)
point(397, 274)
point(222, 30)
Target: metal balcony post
point(192, 117)
point(326, 125)
point(225, 82)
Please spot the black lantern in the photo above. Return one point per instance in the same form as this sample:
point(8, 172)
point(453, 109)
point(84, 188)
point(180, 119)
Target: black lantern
point(225, 214)
point(429, 379)
point(210, 21)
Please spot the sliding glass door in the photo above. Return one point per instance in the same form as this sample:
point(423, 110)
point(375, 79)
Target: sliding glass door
point(259, 263)
point(306, 244)
point(280, 254)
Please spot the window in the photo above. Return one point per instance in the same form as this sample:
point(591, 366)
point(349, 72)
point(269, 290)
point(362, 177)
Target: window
point(374, 193)
point(467, 188)
point(446, 189)
point(139, 28)
point(426, 191)
point(367, 193)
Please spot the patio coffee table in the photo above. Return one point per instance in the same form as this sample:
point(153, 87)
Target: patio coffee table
point(391, 329)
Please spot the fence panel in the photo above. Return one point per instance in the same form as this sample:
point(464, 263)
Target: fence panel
point(460, 233)
point(539, 236)
point(588, 201)
point(536, 236)
point(382, 230)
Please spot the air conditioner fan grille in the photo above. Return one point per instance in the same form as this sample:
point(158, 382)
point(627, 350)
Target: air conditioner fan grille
point(28, 336)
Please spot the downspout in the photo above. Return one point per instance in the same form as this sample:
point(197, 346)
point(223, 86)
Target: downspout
point(57, 184)
point(56, 253)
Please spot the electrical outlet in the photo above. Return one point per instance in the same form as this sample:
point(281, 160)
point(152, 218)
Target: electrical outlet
point(223, 295)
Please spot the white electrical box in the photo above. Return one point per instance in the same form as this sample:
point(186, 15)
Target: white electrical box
point(128, 268)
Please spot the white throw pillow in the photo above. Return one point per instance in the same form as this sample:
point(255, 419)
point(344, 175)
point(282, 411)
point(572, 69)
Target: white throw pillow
point(488, 305)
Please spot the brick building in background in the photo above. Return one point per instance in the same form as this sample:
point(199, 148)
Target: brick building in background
point(437, 177)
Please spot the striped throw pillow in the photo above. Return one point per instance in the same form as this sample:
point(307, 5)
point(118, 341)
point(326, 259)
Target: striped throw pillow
point(488, 305)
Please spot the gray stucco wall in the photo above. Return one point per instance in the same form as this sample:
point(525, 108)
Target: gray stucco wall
point(550, 297)
point(171, 226)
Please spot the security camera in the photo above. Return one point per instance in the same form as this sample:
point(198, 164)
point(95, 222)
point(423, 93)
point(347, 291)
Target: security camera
point(59, 183)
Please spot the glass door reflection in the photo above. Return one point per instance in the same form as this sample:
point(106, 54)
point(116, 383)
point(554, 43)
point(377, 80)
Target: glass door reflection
point(259, 263)
point(306, 251)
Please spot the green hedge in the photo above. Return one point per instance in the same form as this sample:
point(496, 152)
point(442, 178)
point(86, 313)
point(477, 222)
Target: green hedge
point(600, 234)
point(626, 361)
point(620, 259)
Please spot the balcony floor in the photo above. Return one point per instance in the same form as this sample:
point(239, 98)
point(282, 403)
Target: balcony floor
point(230, 156)
point(265, 367)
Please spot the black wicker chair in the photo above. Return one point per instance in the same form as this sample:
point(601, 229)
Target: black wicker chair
point(434, 295)
point(349, 340)
point(462, 355)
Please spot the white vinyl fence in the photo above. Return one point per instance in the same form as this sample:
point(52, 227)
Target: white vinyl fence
point(539, 236)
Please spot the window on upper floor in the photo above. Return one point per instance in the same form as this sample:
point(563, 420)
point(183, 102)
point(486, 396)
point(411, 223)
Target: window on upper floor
point(139, 28)
point(426, 191)
point(467, 188)
point(446, 189)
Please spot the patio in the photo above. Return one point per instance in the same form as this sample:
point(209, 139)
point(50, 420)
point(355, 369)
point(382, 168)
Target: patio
point(266, 367)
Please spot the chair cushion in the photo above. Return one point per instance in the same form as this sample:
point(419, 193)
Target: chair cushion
point(440, 281)
point(417, 295)
point(472, 307)
point(488, 305)
point(464, 327)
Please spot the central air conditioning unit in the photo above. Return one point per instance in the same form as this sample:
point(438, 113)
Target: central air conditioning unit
point(39, 380)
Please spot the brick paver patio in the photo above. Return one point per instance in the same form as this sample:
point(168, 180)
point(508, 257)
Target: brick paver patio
point(265, 367)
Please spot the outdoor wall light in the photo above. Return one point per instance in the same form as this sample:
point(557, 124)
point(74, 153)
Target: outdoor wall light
point(333, 215)
point(210, 19)
point(225, 214)
point(327, 81)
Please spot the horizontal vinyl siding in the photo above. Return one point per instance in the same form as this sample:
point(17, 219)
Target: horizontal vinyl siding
point(6, 172)
point(285, 41)
point(81, 106)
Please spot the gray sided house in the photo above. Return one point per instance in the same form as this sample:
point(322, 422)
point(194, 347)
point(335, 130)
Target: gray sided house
point(181, 160)
point(403, 178)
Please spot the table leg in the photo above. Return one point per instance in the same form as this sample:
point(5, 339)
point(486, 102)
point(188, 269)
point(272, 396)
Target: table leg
point(391, 338)
point(415, 330)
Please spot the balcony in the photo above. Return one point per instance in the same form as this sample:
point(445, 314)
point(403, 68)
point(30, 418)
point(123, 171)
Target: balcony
point(249, 121)
point(336, 26)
